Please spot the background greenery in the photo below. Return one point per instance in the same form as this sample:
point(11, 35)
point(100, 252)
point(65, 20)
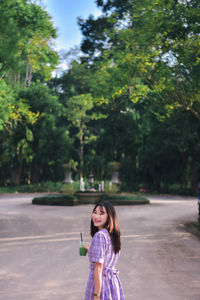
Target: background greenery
point(129, 101)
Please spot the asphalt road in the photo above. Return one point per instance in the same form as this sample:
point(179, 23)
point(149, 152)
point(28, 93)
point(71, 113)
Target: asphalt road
point(160, 259)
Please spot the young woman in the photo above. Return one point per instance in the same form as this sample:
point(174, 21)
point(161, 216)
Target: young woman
point(103, 282)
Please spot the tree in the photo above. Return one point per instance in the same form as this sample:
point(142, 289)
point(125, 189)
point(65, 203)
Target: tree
point(12, 114)
point(79, 112)
point(26, 35)
point(26, 49)
point(96, 36)
point(152, 50)
point(149, 54)
point(43, 103)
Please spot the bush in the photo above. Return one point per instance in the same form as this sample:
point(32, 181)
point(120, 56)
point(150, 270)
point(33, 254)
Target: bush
point(120, 199)
point(60, 200)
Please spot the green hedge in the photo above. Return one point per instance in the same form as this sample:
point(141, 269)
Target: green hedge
point(126, 199)
point(61, 200)
point(70, 200)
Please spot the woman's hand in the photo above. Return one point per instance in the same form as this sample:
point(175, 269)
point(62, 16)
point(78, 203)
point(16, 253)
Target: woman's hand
point(96, 298)
point(86, 246)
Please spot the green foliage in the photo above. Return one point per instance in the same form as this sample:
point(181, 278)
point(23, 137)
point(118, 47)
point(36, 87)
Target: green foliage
point(120, 199)
point(79, 112)
point(69, 188)
point(11, 111)
point(153, 52)
point(68, 200)
point(26, 41)
point(78, 108)
point(49, 139)
point(41, 187)
point(148, 55)
point(26, 33)
point(61, 200)
point(111, 189)
point(123, 197)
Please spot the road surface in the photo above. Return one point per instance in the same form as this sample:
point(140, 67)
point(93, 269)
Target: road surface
point(160, 259)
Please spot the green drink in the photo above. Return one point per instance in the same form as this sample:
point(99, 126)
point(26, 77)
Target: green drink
point(82, 251)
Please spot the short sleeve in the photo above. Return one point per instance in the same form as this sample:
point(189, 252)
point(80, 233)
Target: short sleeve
point(98, 247)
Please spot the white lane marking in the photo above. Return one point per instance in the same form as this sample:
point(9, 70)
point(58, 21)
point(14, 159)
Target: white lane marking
point(39, 242)
point(37, 237)
point(52, 238)
point(33, 237)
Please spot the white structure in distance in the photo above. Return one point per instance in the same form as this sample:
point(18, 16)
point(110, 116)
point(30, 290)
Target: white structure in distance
point(82, 185)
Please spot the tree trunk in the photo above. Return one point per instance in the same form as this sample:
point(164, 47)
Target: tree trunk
point(17, 171)
point(26, 77)
point(18, 79)
point(36, 165)
point(30, 75)
point(17, 176)
point(36, 172)
point(81, 152)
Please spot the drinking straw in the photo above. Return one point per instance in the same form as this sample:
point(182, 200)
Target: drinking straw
point(81, 237)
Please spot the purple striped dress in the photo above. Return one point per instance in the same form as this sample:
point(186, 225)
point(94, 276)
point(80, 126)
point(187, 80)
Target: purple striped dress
point(101, 250)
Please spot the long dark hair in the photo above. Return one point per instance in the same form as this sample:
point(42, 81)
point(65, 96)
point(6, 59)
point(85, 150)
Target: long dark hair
point(111, 225)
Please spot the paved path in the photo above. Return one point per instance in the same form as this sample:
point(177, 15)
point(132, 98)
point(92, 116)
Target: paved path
point(39, 258)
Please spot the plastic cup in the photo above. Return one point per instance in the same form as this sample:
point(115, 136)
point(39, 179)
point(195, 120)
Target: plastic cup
point(83, 251)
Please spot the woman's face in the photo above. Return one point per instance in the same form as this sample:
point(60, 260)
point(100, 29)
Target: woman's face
point(99, 217)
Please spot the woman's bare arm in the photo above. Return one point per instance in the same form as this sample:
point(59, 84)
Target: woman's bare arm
point(97, 278)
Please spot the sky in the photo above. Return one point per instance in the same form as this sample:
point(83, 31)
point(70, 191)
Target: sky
point(64, 15)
